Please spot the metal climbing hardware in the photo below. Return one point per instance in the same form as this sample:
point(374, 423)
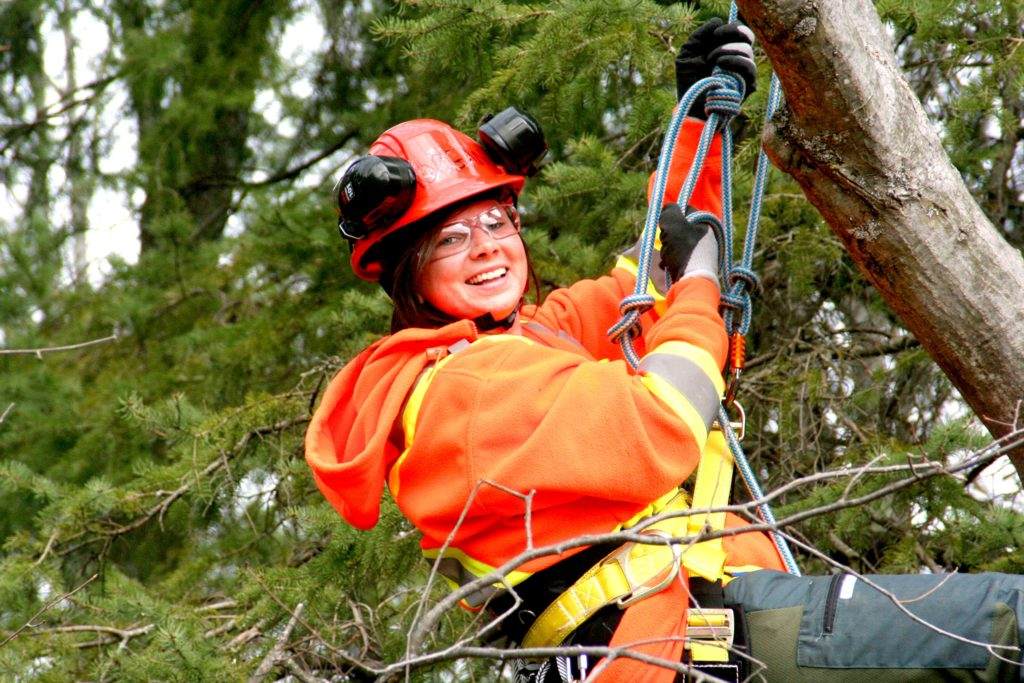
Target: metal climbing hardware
point(734, 364)
point(739, 425)
point(643, 587)
point(710, 633)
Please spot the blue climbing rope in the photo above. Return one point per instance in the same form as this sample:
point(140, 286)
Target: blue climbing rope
point(724, 95)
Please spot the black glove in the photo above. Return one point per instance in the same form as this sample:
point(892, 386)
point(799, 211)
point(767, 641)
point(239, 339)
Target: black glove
point(679, 240)
point(714, 43)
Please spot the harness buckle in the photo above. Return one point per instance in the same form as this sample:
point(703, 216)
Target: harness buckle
point(710, 635)
point(639, 587)
point(710, 623)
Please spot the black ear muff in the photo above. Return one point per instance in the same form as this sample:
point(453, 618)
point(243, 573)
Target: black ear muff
point(514, 140)
point(373, 192)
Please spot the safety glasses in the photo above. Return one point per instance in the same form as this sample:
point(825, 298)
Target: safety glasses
point(498, 222)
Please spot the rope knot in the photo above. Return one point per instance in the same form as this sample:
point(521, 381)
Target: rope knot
point(725, 99)
point(746, 276)
point(734, 302)
point(631, 307)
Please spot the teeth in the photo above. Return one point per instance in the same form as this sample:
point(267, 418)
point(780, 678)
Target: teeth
point(489, 275)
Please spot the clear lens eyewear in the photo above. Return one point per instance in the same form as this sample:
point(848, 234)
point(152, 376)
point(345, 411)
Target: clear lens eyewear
point(456, 237)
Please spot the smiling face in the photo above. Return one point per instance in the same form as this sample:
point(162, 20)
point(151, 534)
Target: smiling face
point(487, 273)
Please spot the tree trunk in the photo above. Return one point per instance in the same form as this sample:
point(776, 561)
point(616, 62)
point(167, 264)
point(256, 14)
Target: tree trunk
point(857, 141)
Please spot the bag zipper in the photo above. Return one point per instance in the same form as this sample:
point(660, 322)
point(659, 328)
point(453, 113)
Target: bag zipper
point(831, 602)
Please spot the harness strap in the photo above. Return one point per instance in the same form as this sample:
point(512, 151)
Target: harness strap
point(636, 570)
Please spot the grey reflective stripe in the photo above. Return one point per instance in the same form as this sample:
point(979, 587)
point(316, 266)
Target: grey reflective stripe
point(688, 379)
point(537, 328)
point(459, 345)
point(453, 569)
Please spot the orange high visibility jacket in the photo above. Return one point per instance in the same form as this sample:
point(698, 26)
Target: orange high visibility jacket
point(457, 433)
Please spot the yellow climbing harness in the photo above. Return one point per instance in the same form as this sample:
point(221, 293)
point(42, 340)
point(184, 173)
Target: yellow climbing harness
point(638, 570)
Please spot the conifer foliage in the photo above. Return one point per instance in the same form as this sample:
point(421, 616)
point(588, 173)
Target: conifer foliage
point(157, 519)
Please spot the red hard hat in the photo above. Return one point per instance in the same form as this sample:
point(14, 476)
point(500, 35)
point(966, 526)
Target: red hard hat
point(449, 166)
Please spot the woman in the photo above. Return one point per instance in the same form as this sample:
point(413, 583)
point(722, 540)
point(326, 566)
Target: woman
point(476, 397)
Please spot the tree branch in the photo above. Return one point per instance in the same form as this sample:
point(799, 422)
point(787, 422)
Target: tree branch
point(857, 140)
point(38, 353)
point(51, 603)
point(189, 481)
point(276, 652)
point(295, 171)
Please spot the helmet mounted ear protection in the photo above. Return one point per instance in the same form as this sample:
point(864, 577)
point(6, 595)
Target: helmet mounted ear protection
point(377, 190)
point(374, 191)
point(513, 139)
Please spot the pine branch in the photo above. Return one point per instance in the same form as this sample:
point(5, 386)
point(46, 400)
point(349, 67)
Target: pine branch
point(857, 352)
point(189, 481)
point(345, 656)
point(66, 103)
point(302, 674)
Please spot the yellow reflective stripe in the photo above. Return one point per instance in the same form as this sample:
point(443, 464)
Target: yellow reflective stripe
point(629, 265)
point(475, 566)
point(679, 405)
point(701, 357)
point(714, 479)
point(410, 414)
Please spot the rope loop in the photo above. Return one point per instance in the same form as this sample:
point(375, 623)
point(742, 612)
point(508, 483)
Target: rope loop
point(631, 307)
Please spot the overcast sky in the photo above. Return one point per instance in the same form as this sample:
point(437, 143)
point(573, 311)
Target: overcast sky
point(113, 228)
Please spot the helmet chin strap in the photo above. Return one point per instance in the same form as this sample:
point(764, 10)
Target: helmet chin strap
point(487, 322)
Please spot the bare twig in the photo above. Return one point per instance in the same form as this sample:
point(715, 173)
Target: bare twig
point(245, 636)
point(223, 628)
point(51, 603)
point(302, 674)
point(349, 659)
point(289, 174)
point(46, 550)
point(276, 653)
point(227, 603)
point(7, 410)
point(940, 584)
point(419, 632)
point(923, 471)
point(900, 605)
point(38, 353)
point(496, 653)
point(110, 634)
point(361, 627)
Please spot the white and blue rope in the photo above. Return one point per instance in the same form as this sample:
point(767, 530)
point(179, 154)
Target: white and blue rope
point(724, 95)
